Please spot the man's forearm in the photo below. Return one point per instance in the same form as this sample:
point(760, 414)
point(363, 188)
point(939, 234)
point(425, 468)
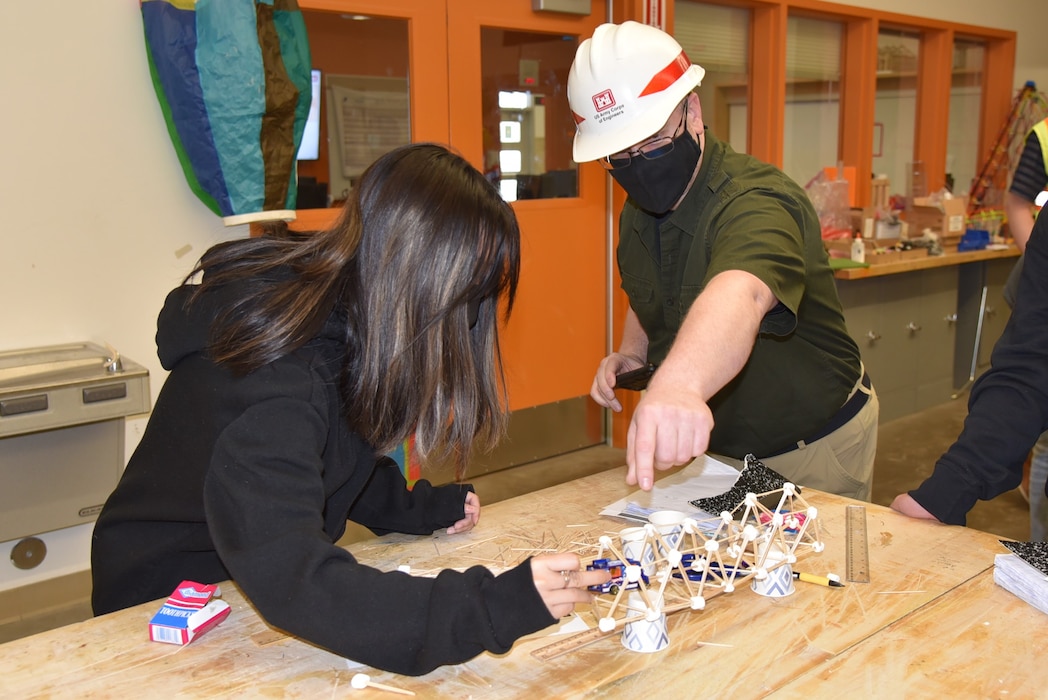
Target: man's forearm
point(717, 335)
point(634, 339)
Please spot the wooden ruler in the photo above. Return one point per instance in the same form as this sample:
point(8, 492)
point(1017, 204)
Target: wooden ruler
point(857, 545)
point(572, 642)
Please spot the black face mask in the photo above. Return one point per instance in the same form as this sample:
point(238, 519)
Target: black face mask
point(656, 185)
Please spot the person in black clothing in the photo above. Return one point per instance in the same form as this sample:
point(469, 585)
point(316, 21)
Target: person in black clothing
point(295, 363)
point(1025, 195)
point(1007, 409)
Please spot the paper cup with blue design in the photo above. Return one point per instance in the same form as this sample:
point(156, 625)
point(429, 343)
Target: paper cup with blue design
point(669, 524)
point(777, 584)
point(636, 547)
point(647, 634)
point(773, 582)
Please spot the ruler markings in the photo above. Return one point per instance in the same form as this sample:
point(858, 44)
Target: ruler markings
point(569, 644)
point(857, 548)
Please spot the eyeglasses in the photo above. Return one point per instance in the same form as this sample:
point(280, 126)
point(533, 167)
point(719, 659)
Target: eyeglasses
point(651, 149)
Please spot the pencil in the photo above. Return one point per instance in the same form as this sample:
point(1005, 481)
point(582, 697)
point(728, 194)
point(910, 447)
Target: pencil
point(820, 580)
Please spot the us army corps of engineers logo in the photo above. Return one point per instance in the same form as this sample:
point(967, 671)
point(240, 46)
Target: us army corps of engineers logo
point(604, 103)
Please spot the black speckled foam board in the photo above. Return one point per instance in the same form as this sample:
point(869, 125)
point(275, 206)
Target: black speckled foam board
point(1033, 553)
point(755, 477)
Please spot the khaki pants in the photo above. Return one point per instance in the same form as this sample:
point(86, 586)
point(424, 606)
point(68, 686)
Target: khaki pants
point(841, 462)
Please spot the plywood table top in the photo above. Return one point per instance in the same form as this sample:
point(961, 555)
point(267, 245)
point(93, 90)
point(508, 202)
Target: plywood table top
point(927, 581)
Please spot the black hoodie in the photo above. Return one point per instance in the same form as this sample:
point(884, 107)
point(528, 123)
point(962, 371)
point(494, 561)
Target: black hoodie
point(1008, 406)
point(252, 478)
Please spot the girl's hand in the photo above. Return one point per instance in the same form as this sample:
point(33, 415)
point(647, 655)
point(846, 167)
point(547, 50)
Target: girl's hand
point(561, 582)
point(472, 516)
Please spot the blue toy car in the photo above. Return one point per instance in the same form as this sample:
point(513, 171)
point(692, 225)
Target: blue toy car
point(687, 560)
point(618, 575)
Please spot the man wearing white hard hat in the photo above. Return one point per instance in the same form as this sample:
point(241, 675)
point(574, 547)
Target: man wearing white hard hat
point(730, 290)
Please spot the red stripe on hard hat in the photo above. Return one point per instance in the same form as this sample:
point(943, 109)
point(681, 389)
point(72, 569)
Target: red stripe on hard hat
point(668, 75)
point(578, 118)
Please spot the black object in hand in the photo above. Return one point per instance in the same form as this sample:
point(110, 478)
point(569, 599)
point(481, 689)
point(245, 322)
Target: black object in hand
point(636, 379)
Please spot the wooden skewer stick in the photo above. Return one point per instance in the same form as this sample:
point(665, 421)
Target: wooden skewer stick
point(474, 544)
point(534, 549)
point(896, 592)
point(363, 680)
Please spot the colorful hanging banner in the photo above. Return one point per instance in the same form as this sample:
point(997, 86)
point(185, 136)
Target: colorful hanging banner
point(233, 81)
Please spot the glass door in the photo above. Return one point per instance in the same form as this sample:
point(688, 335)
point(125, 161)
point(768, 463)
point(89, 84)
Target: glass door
point(493, 87)
point(508, 68)
point(372, 62)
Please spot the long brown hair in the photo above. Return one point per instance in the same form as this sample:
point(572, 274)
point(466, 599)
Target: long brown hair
point(423, 244)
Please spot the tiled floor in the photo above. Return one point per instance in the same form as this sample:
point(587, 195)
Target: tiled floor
point(907, 450)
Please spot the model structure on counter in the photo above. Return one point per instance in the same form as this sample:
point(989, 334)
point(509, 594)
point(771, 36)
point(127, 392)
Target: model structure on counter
point(686, 567)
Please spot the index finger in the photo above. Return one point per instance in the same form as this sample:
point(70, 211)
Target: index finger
point(472, 506)
point(640, 452)
point(561, 561)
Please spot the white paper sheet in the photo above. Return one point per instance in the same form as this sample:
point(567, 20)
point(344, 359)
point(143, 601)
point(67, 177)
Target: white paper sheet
point(702, 478)
point(1012, 573)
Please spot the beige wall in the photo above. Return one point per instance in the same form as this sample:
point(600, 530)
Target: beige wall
point(1027, 18)
point(99, 222)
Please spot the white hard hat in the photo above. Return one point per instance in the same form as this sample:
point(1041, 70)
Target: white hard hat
point(625, 82)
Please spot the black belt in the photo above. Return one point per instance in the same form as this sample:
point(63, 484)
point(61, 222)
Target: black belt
point(845, 413)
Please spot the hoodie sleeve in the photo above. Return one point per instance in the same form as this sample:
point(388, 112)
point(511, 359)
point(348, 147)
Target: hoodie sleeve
point(1008, 406)
point(388, 506)
point(264, 500)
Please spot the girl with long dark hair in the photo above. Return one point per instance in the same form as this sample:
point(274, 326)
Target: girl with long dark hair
point(295, 362)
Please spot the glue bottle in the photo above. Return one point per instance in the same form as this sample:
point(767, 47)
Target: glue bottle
point(858, 249)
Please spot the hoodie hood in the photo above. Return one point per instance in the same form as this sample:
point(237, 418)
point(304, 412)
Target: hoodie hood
point(183, 328)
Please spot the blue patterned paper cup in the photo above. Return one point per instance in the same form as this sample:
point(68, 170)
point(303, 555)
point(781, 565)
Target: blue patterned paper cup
point(637, 547)
point(645, 636)
point(777, 584)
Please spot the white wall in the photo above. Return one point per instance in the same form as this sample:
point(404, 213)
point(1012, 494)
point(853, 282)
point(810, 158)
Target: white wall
point(99, 222)
point(1027, 18)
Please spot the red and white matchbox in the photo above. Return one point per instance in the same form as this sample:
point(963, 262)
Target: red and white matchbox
point(189, 612)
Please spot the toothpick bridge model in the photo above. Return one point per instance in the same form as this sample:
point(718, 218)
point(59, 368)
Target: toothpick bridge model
point(684, 568)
